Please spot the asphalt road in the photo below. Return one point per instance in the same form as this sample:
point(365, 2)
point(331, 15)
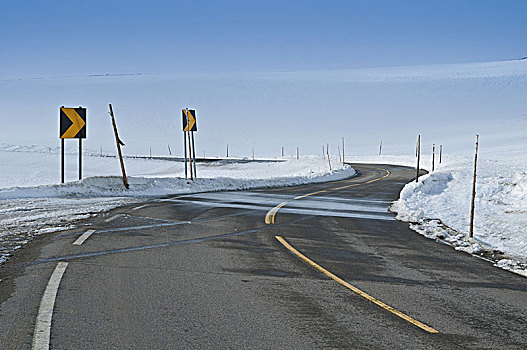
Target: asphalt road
point(206, 271)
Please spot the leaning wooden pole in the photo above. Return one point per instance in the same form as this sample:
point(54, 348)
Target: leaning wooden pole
point(119, 144)
point(471, 232)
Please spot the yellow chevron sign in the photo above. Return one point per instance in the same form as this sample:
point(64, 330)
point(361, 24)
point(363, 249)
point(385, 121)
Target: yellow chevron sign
point(72, 123)
point(191, 115)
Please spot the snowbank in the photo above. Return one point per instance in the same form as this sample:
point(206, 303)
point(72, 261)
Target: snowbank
point(27, 211)
point(439, 208)
point(112, 186)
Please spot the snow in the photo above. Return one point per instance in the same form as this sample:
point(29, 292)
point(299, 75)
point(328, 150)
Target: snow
point(32, 202)
point(438, 206)
point(265, 111)
point(445, 104)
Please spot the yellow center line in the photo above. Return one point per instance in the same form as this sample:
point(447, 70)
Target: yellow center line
point(269, 217)
point(310, 194)
point(355, 289)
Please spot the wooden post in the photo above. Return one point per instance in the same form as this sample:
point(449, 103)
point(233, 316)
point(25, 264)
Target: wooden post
point(329, 160)
point(380, 148)
point(80, 159)
point(471, 232)
point(343, 160)
point(440, 153)
point(297, 153)
point(150, 152)
point(340, 158)
point(323, 154)
point(253, 153)
point(169, 151)
point(282, 151)
point(119, 144)
point(418, 151)
point(194, 155)
point(62, 161)
point(433, 156)
point(227, 150)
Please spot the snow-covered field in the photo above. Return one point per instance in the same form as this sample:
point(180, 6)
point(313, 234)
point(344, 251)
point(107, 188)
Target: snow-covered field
point(446, 104)
point(32, 202)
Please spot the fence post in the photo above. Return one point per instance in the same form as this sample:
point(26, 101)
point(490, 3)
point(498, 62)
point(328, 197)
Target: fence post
point(418, 152)
point(471, 232)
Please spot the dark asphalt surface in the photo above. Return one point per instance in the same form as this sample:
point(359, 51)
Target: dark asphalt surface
point(205, 271)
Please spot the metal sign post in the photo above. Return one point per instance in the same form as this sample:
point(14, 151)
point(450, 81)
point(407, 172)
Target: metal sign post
point(80, 159)
point(62, 161)
point(72, 126)
point(189, 126)
point(194, 154)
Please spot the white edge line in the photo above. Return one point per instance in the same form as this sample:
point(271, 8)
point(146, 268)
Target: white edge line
point(83, 237)
point(41, 336)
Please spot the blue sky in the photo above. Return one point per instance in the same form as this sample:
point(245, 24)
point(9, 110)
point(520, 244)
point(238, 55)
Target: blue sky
point(55, 38)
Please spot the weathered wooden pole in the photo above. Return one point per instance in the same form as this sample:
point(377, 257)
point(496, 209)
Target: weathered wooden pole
point(338, 148)
point(329, 160)
point(297, 153)
point(380, 148)
point(433, 156)
point(440, 153)
point(471, 232)
point(323, 153)
point(418, 151)
point(343, 161)
point(282, 151)
point(119, 144)
point(227, 150)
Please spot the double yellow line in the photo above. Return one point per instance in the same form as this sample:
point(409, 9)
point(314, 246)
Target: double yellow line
point(269, 219)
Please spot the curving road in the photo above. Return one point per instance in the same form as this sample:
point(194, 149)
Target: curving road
point(314, 266)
